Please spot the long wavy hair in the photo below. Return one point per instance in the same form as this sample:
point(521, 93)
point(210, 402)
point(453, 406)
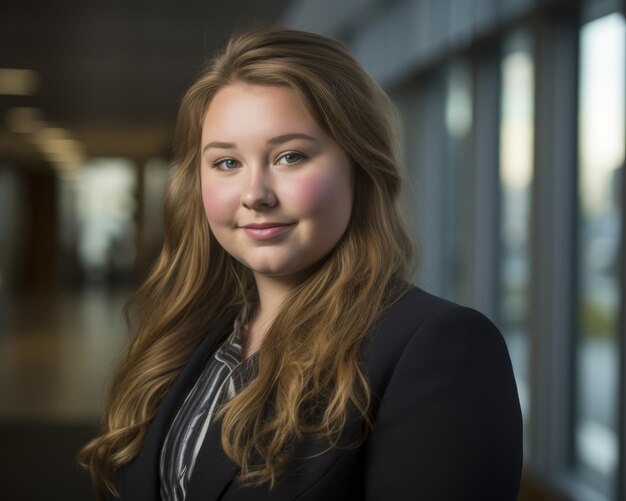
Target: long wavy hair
point(308, 364)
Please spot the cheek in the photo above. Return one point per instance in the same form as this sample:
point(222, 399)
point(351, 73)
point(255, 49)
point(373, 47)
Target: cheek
point(318, 194)
point(219, 202)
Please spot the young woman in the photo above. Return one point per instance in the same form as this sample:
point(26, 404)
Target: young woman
point(280, 350)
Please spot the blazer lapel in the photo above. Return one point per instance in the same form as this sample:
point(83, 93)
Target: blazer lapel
point(213, 475)
point(140, 478)
point(213, 471)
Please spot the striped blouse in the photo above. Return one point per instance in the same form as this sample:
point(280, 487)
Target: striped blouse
point(222, 377)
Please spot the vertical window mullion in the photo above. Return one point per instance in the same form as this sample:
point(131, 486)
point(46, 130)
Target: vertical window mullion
point(553, 246)
point(486, 198)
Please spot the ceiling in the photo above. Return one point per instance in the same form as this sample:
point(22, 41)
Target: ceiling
point(112, 73)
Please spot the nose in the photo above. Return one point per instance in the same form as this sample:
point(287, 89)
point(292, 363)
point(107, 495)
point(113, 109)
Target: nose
point(258, 193)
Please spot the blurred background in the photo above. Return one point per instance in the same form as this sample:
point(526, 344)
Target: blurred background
point(514, 131)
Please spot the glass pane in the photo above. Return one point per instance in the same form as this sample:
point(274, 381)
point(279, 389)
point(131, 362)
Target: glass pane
point(106, 228)
point(516, 176)
point(601, 153)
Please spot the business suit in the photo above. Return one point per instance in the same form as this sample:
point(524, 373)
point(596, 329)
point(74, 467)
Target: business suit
point(447, 422)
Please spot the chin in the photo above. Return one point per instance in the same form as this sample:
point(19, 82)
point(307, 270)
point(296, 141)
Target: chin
point(279, 271)
point(273, 271)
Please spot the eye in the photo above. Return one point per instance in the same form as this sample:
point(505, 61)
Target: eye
point(226, 164)
point(290, 158)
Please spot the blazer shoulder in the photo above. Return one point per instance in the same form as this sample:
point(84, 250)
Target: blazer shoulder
point(445, 404)
point(434, 324)
point(413, 308)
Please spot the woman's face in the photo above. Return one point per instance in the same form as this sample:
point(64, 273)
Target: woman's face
point(276, 189)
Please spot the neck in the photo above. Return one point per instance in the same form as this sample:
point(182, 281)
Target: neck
point(272, 293)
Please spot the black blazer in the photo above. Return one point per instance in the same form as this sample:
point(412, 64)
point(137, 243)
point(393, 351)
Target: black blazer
point(447, 421)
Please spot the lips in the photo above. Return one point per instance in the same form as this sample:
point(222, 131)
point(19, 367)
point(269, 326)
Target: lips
point(266, 231)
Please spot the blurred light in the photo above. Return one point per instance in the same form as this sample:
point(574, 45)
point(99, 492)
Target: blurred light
point(72, 158)
point(20, 82)
point(51, 134)
point(601, 124)
point(61, 146)
point(459, 102)
point(516, 129)
point(25, 120)
point(56, 145)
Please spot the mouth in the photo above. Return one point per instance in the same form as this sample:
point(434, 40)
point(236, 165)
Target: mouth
point(262, 226)
point(266, 231)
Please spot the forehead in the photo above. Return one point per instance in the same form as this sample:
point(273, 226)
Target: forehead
point(245, 107)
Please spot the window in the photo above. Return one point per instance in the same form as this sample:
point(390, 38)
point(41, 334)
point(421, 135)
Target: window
point(106, 231)
point(601, 159)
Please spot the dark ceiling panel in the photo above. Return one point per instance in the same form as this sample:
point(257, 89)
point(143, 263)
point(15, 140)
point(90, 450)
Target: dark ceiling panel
point(116, 64)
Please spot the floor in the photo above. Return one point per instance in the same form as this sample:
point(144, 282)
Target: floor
point(38, 462)
point(57, 353)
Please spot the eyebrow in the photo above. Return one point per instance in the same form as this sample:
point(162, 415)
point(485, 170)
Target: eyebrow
point(275, 140)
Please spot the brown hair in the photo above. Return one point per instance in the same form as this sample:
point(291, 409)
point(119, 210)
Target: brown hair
point(310, 354)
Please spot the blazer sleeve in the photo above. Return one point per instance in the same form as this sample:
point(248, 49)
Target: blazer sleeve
point(448, 426)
